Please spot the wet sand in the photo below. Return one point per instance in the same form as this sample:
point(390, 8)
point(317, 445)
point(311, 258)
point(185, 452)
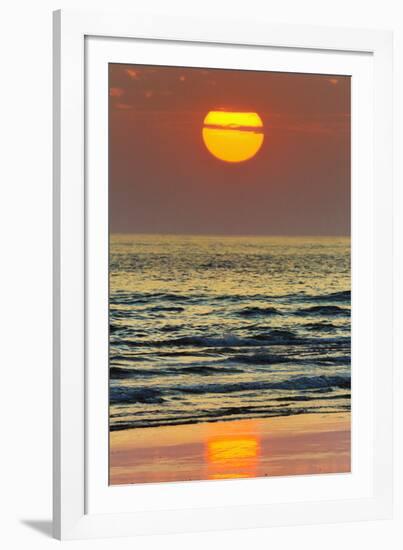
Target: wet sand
point(281, 446)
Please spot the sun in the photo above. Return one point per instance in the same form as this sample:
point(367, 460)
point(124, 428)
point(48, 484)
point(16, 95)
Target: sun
point(233, 136)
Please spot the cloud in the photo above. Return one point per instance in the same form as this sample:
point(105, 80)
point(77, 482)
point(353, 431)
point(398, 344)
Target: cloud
point(123, 106)
point(134, 74)
point(116, 92)
point(337, 124)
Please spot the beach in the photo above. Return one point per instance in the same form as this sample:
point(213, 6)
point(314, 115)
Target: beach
point(300, 444)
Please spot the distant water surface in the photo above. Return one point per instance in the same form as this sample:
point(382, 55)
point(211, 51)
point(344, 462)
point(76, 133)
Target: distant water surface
point(222, 328)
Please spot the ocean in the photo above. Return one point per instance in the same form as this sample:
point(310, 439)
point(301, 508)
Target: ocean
point(212, 328)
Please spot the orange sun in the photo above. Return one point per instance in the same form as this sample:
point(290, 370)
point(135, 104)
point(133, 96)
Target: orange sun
point(233, 136)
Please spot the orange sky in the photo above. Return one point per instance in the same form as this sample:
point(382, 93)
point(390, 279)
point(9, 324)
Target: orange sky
point(164, 180)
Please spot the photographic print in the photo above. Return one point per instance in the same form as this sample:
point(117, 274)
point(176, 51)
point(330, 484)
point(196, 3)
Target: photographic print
point(229, 274)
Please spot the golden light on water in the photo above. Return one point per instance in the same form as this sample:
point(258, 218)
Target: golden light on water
point(233, 136)
point(232, 457)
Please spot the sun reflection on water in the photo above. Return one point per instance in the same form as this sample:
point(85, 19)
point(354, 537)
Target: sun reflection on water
point(232, 457)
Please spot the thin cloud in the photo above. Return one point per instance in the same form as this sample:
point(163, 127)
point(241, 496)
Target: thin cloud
point(331, 124)
point(123, 106)
point(134, 74)
point(116, 92)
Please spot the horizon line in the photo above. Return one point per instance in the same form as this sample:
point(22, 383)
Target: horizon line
point(176, 234)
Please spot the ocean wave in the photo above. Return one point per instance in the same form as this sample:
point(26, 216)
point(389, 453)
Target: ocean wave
point(342, 296)
point(147, 395)
point(171, 328)
point(227, 341)
point(276, 336)
point(258, 311)
point(134, 298)
point(295, 383)
point(117, 357)
point(261, 359)
point(119, 373)
point(227, 414)
point(196, 341)
point(333, 360)
point(297, 398)
point(135, 395)
point(172, 309)
point(141, 298)
point(321, 327)
point(323, 310)
point(206, 370)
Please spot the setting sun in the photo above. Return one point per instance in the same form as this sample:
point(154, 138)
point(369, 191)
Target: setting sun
point(233, 136)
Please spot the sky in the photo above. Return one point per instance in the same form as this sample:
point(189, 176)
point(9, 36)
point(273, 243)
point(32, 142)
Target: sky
point(163, 179)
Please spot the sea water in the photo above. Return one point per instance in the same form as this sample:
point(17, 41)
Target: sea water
point(209, 328)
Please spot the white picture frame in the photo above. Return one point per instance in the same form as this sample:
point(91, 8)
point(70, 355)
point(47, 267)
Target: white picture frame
point(84, 506)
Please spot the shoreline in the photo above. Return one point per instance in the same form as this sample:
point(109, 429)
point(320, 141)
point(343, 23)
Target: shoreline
point(303, 444)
